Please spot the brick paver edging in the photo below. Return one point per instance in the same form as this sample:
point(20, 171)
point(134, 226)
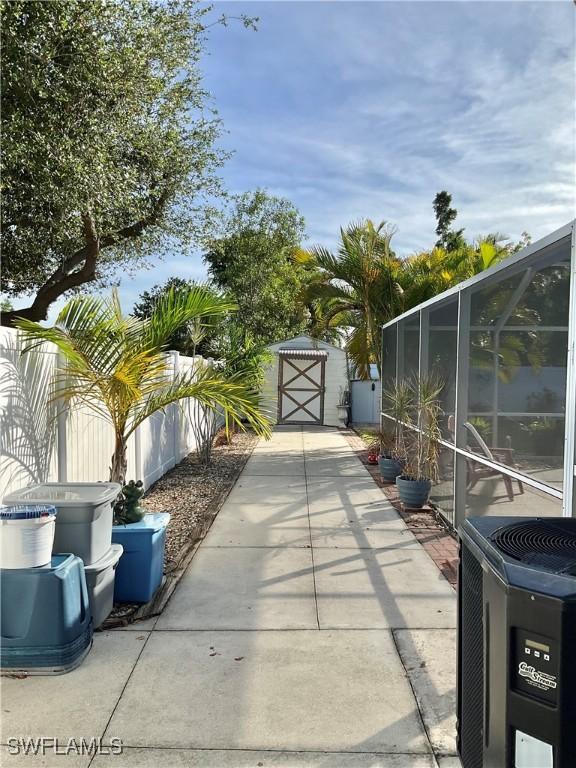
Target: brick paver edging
point(426, 525)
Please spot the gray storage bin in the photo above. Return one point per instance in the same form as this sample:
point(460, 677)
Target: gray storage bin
point(84, 519)
point(100, 583)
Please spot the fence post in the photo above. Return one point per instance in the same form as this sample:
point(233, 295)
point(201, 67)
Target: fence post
point(138, 468)
point(62, 446)
point(176, 421)
point(61, 432)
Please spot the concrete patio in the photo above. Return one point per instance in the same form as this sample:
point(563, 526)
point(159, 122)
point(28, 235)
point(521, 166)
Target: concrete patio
point(310, 630)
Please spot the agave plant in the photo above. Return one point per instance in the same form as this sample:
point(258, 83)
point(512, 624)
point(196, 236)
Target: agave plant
point(116, 365)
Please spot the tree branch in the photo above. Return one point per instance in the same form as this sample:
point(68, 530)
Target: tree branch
point(64, 279)
point(136, 229)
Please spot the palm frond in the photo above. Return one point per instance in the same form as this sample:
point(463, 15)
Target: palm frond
point(175, 308)
point(359, 347)
point(238, 402)
point(117, 365)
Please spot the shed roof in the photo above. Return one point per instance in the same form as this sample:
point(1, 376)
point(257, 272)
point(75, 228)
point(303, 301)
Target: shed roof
point(303, 354)
point(301, 342)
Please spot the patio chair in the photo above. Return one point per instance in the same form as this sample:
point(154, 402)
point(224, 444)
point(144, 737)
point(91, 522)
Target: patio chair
point(478, 471)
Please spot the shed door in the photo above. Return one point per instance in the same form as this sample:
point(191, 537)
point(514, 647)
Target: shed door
point(301, 390)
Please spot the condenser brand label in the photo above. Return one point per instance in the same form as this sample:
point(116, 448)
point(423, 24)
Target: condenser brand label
point(538, 679)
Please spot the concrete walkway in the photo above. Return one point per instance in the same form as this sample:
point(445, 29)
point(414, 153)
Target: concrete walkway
point(310, 630)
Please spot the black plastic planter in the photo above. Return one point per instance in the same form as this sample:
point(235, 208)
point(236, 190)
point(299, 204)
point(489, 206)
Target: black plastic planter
point(413, 493)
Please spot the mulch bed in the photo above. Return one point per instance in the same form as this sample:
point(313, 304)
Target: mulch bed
point(428, 526)
point(193, 494)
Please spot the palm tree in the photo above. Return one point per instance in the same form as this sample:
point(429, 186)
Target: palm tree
point(364, 284)
point(357, 288)
point(428, 273)
point(116, 364)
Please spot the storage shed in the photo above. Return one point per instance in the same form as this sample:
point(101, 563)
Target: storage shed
point(305, 381)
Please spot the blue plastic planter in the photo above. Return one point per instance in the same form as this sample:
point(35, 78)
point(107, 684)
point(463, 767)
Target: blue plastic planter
point(413, 493)
point(45, 617)
point(389, 468)
point(139, 572)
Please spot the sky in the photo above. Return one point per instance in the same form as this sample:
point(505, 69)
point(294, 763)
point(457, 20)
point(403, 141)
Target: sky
point(368, 109)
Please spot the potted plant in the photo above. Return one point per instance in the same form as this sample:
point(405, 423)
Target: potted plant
point(421, 468)
point(143, 538)
point(373, 451)
point(374, 440)
point(393, 449)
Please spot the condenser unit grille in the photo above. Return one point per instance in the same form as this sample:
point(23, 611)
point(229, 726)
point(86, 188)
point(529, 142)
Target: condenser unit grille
point(472, 661)
point(548, 545)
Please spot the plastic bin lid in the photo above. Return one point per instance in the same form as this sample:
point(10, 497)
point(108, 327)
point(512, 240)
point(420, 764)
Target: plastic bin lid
point(66, 494)
point(27, 512)
point(110, 558)
point(58, 561)
point(41, 571)
point(150, 523)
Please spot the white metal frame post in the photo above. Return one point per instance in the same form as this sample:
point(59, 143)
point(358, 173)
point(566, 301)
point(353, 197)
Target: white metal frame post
point(569, 508)
point(400, 351)
point(424, 342)
point(461, 408)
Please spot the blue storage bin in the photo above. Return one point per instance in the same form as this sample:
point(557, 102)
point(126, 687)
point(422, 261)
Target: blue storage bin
point(141, 567)
point(45, 618)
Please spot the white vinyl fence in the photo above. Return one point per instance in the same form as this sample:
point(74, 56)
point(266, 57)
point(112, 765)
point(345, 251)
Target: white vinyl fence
point(39, 442)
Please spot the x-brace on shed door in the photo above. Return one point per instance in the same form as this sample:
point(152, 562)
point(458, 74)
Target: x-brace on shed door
point(301, 386)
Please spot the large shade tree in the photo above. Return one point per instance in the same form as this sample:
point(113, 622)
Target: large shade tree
point(253, 262)
point(108, 151)
point(200, 336)
point(116, 364)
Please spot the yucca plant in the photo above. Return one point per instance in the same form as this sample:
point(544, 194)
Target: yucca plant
point(116, 365)
point(393, 453)
point(415, 405)
point(399, 397)
point(378, 441)
point(423, 446)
